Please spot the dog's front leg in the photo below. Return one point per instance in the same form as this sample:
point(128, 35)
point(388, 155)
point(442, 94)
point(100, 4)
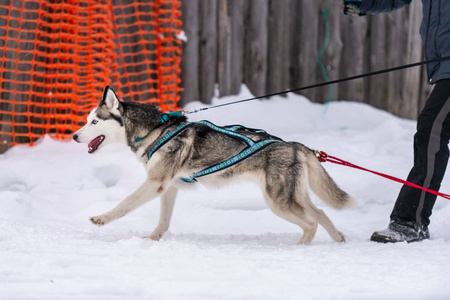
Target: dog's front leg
point(146, 192)
point(167, 203)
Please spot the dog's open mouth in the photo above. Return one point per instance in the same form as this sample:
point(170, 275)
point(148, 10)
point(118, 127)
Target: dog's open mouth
point(95, 143)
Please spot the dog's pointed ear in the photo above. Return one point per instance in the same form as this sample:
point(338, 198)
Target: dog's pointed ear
point(110, 99)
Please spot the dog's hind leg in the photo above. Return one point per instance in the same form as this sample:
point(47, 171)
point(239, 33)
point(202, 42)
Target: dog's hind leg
point(295, 214)
point(146, 192)
point(167, 203)
point(284, 190)
point(326, 223)
point(320, 217)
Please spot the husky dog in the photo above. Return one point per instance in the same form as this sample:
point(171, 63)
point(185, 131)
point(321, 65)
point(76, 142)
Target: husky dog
point(174, 152)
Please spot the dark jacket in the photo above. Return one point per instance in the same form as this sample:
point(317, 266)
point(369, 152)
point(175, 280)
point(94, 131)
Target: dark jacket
point(435, 30)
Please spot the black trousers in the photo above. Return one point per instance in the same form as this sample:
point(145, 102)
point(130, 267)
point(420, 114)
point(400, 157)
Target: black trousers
point(431, 155)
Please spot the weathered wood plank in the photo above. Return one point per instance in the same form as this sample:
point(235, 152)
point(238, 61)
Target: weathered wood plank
point(354, 31)
point(238, 12)
point(331, 57)
point(308, 31)
point(208, 49)
point(376, 92)
point(295, 43)
point(190, 56)
point(224, 48)
point(396, 39)
point(256, 44)
point(278, 52)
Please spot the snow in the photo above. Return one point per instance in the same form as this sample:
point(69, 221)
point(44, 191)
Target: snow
point(225, 243)
point(182, 36)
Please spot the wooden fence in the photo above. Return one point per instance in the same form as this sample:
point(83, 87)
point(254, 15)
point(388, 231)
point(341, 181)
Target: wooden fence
point(274, 45)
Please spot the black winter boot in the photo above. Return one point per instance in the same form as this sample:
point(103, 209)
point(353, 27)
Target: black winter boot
point(401, 232)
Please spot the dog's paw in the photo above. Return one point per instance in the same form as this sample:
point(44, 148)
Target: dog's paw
point(155, 237)
point(156, 234)
point(341, 238)
point(99, 220)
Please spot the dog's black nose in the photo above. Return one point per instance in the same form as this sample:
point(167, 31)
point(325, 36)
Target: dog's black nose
point(75, 137)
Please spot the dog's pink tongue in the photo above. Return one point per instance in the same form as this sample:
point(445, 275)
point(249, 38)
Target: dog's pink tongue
point(93, 145)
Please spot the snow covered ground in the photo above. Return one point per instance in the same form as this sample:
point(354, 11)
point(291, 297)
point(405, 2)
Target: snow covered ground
point(222, 244)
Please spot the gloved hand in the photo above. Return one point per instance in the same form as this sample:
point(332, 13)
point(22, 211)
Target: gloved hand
point(352, 7)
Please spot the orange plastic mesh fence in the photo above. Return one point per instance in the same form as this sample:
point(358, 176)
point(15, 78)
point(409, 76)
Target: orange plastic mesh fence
point(57, 56)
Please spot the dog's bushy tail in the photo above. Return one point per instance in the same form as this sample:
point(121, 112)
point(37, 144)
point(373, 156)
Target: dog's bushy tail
point(324, 186)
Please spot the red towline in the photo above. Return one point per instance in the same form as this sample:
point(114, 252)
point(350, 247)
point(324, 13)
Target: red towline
point(324, 157)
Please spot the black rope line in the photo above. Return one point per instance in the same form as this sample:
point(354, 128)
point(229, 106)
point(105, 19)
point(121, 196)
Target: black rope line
point(325, 83)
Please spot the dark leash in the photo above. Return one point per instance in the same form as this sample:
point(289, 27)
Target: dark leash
point(321, 84)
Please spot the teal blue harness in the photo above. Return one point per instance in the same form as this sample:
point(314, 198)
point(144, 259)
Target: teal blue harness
point(252, 148)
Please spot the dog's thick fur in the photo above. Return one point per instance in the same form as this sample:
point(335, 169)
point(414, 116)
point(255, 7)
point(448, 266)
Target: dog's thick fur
point(283, 170)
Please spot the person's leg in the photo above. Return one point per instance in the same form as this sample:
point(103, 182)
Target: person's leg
point(411, 214)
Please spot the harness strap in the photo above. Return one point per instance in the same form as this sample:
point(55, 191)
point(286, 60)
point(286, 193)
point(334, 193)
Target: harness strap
point(229, 162)
point(252, 148)
point(167, 137)
point(229, 130)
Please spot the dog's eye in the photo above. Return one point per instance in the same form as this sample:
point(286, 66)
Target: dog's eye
point(94, 122)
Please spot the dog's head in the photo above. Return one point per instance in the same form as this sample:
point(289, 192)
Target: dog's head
point(104, 124)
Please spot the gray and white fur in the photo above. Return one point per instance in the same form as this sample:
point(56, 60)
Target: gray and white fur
point(283, 170)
